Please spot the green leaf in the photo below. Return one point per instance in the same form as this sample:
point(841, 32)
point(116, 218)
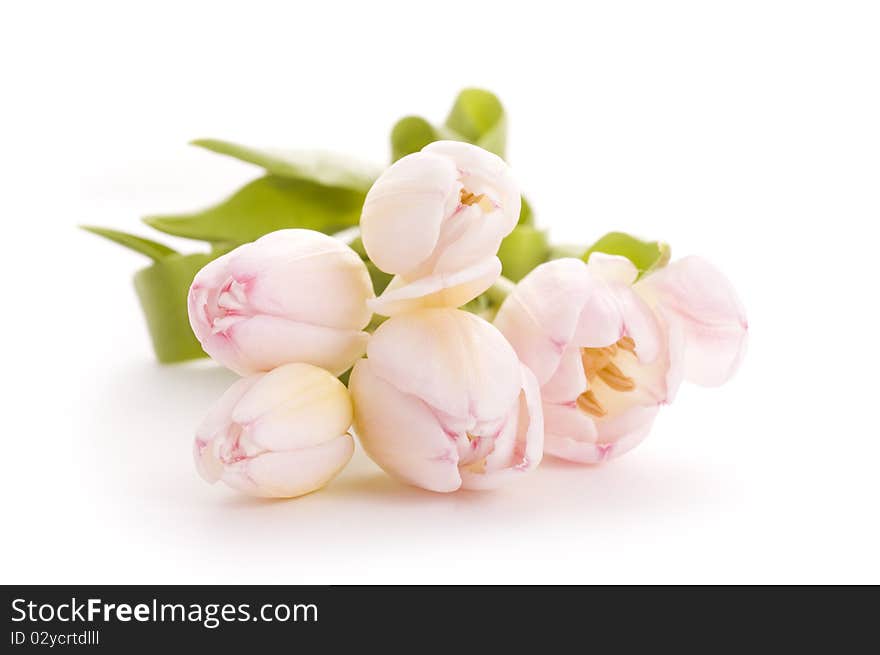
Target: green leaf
point(267, 204)
point(526, 215)
point(152, 249)
point(646, 255)
point(479, 118)
point(476, 117)
point(521, 251)
point(162, 289)
point(410, 134)
point(380, 279)
point(323, 168)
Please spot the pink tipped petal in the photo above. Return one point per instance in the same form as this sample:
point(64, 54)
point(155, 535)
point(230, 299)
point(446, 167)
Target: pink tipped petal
point(266, 303)
point(405, 208)
point(437, 290)
point(401, 433)
point(569, 433)
point(541, 314)
point(710, 315)
point(608, 438)
point(287, 474)
point(519, 448)
point(483, 172)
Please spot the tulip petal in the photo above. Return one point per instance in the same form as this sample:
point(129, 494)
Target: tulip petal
point(573, 436)
point(271, 341)
point(294, 406)
point(703, 304)
point(437, 290)
point(541, 314)
point(326, 288)
point(483, 172)
point(634, 316)
point(401, 433)
point(520, 447)
point(569, 380)
point(291, 473)
point(613, 268)
point(455, 361)
point(214, 427)
point(468, 237)
point(405, 208)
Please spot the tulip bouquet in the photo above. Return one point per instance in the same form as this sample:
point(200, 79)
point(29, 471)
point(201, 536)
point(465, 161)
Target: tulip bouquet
point(444, 333)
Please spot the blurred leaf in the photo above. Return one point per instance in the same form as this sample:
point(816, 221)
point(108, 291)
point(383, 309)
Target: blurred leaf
point(560, 250)
point(521, 251)
point(152, 249)
point(479, 118)
point(646, 255)
point(380, 279)
point(476, 117)
point(320, 167)
point(162, 289)
point(264, 205)
point(526, 215)
point(409, 135)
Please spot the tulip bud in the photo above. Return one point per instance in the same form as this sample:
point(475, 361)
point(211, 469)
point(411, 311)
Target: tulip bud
point(290, 296)
point(443, 403)
point(609, 351)
point(435, 219)
point(279, 434)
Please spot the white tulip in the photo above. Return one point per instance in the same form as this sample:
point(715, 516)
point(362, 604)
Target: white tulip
point(435, 220)
point(443, 403)
point(290, 296)
point(278, 434)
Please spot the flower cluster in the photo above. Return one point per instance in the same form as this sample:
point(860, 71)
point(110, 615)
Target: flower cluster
point(579, 359)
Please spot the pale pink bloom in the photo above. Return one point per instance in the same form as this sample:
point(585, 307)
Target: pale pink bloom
point(435, 219)
point(609, 351)
point(443, 403)
point(290, 296)
point(279, 434)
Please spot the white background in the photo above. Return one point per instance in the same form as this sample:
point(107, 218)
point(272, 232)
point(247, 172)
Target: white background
point(747, 132)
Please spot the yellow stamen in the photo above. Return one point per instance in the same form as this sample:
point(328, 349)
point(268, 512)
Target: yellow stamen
point(614, 378)
point(587, 402)
point(627, 343)
point(468, 198)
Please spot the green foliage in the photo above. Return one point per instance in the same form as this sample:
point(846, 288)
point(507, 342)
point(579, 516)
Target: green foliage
point(267, 204)
point(522, 250)
point(322, 168)
point(646, 255)
point(162, 289)
point(152, 249)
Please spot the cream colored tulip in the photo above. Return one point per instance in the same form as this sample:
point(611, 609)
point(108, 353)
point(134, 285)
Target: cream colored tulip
point(278, 434)
point(435, 220)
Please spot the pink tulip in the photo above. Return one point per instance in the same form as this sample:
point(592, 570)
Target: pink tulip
point(279, 434)
point(609, 351)
point(290, 296)
point(443, 403)
point(435, 219)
